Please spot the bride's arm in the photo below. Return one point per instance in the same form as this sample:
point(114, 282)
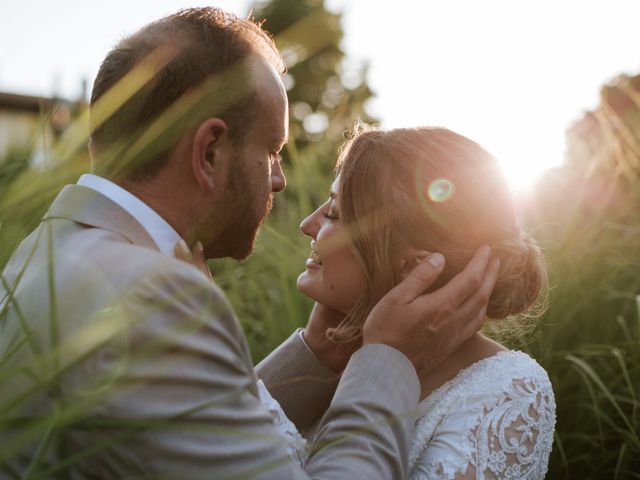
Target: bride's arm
point(303, 372)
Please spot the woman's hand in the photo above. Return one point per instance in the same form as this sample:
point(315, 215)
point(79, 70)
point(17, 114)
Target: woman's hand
point(195, 257)
point(334, 356)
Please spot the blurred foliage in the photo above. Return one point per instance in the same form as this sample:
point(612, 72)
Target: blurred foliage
point(607, 140)
point(586, 216)
point(326, 90)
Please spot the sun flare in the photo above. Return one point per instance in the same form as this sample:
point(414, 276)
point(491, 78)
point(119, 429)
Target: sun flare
point(523, 168)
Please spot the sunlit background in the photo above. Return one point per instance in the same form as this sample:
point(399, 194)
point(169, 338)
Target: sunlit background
point(512, 75)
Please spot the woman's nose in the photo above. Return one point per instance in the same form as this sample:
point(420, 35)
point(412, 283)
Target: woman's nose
point(310, 225)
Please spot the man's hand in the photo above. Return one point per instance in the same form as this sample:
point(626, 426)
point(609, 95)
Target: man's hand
point(333, 356)
point(195, 257)
point(427, 327)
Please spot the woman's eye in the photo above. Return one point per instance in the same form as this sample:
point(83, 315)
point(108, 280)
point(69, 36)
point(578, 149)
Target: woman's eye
point(329, 209)
point(330, 212)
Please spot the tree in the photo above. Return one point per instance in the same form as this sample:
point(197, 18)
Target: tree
point(327, 92)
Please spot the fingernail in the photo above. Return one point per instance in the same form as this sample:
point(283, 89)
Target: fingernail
point(436, 260)
point(184, 247)
point(199, 246)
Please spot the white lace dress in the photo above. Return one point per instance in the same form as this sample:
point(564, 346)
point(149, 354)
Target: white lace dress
point(492, 421)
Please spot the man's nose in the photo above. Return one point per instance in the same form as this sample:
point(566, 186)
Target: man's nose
point(278, 180)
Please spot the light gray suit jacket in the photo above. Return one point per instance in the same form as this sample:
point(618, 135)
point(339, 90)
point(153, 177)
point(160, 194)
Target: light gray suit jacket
point(120, 362)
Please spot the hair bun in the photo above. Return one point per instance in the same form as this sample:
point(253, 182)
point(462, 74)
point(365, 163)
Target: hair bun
point(522, 284)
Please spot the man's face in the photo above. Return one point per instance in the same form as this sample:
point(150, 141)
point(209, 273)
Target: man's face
point(256, 172)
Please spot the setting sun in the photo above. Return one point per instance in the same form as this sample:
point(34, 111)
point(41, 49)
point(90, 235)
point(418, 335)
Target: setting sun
point(523, 165)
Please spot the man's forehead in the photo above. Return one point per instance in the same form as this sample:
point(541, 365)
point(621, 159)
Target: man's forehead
point(266, 77)
point(275, 104)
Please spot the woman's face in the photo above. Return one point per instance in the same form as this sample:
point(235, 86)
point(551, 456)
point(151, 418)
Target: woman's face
point(333, 276)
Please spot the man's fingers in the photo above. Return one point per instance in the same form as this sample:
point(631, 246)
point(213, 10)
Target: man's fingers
point(200, 261)
point(473, 325)
point(198, 254)
point(182, 252)
point(467, 282)
point(473, 311)
point(194, 257)
point(420, 278)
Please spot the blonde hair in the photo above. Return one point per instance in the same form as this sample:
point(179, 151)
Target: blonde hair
point(432, 189)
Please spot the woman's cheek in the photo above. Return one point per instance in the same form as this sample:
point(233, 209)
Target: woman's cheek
point(344, 278)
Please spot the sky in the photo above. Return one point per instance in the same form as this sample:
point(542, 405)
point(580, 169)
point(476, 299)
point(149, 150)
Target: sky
point(510, 74)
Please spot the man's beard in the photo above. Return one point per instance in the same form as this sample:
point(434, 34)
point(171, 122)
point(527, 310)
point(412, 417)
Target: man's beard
point(243, 234)
point(240, 235)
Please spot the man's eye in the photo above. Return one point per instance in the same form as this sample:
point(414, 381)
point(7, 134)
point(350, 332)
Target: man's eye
point(276, 157)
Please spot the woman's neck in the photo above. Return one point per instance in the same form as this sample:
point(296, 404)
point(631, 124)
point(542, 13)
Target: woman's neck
point(473, 350)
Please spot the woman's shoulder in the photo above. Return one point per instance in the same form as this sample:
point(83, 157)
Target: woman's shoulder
point(491, 377)
point(508, 390)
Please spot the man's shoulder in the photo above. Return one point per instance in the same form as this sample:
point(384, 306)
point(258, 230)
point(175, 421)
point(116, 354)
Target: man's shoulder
point(77, 251)
point(95, 273)
point(94, 267)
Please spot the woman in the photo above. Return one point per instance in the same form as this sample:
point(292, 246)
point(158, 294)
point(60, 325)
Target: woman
point(486, 412)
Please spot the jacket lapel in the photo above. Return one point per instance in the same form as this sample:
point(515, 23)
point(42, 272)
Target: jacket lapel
point(88, 207)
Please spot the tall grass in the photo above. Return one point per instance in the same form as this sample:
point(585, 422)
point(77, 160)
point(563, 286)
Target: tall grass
point(589, 340)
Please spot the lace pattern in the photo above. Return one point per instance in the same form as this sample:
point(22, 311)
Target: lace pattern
point(295, 443)
point(494, 420)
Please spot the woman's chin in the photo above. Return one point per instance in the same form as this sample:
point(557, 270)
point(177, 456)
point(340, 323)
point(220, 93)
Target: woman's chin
point(303, 283)
point(306, 286)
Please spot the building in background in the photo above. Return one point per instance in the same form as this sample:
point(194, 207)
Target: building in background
point(30, 123)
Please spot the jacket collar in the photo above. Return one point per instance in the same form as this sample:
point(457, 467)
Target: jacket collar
point(88, 207)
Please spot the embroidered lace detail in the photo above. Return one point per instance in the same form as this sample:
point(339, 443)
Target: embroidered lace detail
point(494, 420)
point(295, 443)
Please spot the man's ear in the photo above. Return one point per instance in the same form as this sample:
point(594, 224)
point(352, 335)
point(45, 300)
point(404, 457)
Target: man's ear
point(210, 153)
point(410, 258)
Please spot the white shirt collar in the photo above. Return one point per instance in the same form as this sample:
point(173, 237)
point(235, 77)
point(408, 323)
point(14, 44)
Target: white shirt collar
point(163, 234)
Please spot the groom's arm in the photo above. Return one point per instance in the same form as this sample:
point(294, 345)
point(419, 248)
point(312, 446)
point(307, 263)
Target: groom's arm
point(187, 392)
point(302, 373)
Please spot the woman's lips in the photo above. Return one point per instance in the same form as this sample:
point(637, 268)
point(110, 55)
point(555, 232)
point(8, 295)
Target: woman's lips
point(314, 260)
point(315, 257)
point(312, 264)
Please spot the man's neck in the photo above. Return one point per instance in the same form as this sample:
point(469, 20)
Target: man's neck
point(162, 200)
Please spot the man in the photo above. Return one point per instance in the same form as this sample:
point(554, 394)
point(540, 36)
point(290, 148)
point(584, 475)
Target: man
point(123, 361)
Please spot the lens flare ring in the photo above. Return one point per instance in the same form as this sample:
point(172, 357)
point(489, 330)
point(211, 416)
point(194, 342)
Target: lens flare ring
point(440, 190)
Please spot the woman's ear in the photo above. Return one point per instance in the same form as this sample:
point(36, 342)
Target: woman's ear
point(209, 155)
point(410, 258)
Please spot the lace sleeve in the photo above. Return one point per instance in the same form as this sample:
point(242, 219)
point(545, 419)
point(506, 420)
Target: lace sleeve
point(295, 443)
point(505, 436)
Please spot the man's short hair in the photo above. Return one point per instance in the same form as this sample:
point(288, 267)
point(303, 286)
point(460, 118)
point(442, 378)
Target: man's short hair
point(160, 82)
